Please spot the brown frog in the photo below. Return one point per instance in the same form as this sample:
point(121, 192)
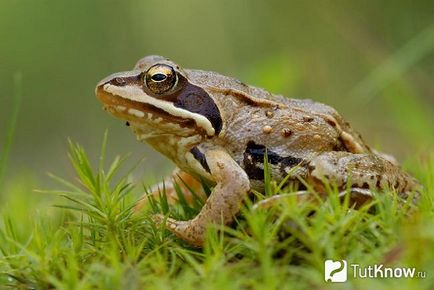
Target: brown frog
point(218, 129)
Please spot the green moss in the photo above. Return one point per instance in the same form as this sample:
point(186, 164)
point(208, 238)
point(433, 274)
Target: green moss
point(94, 241)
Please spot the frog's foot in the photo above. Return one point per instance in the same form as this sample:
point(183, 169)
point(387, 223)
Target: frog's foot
point(222, 205)
point(186, 183)
point(188, 231)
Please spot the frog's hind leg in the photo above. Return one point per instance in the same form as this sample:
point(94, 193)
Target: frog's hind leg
point(364, 172)
point(358, 196)
point(301, 196)
point(186, 183)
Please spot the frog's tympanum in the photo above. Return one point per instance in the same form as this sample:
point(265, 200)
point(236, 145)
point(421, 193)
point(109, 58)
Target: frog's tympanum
point(218, 129)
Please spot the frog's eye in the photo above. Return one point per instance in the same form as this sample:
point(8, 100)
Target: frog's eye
point(160, 78)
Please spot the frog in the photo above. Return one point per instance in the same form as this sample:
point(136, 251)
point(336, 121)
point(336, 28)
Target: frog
point(219, 130)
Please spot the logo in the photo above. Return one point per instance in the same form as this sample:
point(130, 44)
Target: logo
point(335, 271)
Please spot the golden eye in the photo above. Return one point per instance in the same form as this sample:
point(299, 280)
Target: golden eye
point(160, 78)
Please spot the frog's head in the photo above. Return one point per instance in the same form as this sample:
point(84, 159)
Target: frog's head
point(158, 95)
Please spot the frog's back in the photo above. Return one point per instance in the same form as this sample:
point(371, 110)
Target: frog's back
point(302, 126)
point(216, 82)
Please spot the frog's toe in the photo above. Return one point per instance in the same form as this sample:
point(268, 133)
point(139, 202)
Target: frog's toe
point(185, 230)
point(170, 223)
point(158, 219)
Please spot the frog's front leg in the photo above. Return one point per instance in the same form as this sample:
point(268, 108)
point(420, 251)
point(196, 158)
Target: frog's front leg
point(232, 186)
point(365, 173)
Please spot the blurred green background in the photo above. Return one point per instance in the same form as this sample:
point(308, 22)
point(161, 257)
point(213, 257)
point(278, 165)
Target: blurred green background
point(371, 60)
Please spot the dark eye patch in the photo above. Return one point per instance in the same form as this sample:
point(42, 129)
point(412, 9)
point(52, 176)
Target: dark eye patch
point(196, 100)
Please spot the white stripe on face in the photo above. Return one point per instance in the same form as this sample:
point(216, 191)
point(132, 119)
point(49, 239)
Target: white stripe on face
point(136, 94)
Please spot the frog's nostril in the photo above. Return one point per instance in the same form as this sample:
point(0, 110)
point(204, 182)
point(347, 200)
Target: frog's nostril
point(118, 81)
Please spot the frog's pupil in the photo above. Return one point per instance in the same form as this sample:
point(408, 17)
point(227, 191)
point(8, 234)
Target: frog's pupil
point(158, 77)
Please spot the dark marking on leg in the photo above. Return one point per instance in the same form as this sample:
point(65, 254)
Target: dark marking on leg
point(199, 156)
point(254, 159)
point(251, 167)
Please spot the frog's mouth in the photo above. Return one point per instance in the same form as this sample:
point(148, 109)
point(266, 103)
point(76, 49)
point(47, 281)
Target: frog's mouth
point(140, 113)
